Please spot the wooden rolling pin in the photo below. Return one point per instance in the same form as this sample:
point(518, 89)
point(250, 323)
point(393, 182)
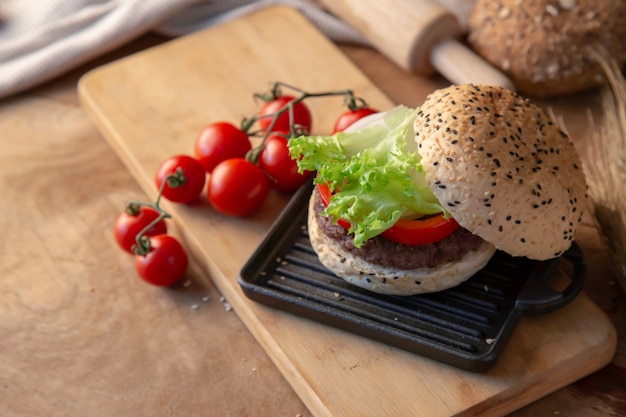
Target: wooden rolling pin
point(418, 35)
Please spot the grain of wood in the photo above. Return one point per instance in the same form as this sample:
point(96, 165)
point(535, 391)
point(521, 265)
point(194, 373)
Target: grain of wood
point(335, 373)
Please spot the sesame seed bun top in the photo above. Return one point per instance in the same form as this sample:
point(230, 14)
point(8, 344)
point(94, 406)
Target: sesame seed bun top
point(502, 168)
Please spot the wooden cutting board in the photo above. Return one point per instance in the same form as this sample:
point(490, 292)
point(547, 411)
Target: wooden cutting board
point(152, 105)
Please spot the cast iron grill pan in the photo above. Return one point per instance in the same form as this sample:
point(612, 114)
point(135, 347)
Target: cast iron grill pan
point(466, 326)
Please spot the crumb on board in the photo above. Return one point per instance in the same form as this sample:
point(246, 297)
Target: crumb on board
point(227, 305)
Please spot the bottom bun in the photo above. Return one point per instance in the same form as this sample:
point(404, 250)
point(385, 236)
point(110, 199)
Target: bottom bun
point(394, 281)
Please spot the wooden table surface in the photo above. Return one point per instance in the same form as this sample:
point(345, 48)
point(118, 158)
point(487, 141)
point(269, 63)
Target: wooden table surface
point(81, 335)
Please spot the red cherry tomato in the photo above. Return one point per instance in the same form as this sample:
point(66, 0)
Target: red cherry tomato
point(408, 232)
point(220, 141)
point(347, 118)
point(237, 187)
point(165, 263)
point(301, 115)
point(282, 171)
point(127, 227)
point(192, 185)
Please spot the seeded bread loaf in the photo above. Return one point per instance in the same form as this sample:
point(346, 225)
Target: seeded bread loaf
point(546, 47)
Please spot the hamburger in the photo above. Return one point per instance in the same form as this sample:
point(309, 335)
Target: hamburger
point(419, 200)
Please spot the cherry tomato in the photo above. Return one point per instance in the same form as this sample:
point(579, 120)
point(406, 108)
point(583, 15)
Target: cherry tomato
point(220, 141)
point(301, 115)
point(237, 187)
point(193, 183)
point(127, 226)
point(275, 161)
point(347, 118)
point(165, 263)
point(408, 232)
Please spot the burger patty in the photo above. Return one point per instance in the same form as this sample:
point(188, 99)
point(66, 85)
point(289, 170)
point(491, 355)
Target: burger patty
point(384, 252)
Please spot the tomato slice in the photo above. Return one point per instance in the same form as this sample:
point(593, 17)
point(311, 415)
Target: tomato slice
point(407, 232)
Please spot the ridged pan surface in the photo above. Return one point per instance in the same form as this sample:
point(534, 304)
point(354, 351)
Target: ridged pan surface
point(466, 326)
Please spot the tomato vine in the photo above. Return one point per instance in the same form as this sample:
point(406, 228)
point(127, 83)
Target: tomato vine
point(239, 174)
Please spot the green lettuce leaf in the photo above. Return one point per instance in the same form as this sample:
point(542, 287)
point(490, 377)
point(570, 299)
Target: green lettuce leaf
point(375, 174)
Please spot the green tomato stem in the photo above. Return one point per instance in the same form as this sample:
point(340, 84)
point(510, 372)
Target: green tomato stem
point(142, 245)
point(352, 102)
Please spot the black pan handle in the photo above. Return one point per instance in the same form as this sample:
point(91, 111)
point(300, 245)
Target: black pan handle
point(538, 298)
